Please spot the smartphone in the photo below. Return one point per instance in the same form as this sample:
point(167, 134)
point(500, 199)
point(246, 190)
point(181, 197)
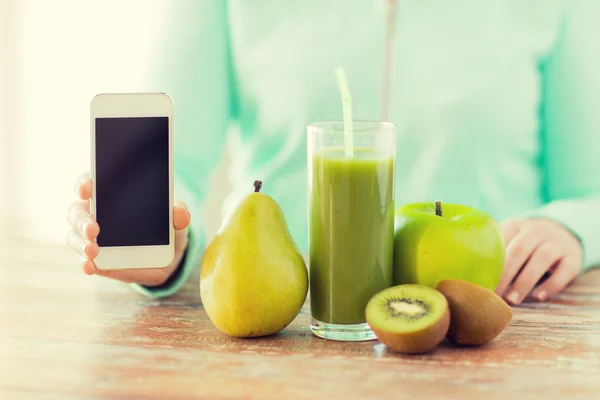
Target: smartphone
point(132, 176)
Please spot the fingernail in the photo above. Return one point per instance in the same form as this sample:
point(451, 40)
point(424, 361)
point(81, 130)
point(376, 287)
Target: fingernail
point(85, 245)
point(541, 296)
point(513, 297)
point(181, 204)
point(84, 227)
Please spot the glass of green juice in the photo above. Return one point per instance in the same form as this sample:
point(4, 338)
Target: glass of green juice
point(351, 224)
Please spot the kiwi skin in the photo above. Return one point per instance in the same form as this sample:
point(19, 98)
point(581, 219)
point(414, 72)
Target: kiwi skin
point(478, 315)
point(420, 341)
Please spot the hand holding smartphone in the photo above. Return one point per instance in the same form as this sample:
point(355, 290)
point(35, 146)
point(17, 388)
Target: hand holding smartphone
point(132, 176)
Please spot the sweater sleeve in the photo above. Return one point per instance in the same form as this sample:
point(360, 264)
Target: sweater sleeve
point(571, 128)
point(193, 65)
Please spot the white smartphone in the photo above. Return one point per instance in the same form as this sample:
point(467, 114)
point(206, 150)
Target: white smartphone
point(132, 176)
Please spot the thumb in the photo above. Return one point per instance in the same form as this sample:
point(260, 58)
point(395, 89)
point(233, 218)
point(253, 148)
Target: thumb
point(510, 229)
point(181, 215)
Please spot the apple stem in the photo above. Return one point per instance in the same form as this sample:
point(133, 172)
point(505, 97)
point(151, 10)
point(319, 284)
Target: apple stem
point(257, 186)
point(438, 208)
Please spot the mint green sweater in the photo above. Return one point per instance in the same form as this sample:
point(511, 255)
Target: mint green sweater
point(497, 102)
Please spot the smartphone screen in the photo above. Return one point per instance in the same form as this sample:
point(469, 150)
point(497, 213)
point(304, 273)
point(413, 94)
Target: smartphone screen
point(132, 181)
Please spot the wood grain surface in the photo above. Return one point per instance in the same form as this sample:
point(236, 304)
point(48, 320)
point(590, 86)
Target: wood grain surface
point(64, 335)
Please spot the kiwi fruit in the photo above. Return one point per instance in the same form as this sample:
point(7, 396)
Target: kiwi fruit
point(409, 318)
point(478, 314)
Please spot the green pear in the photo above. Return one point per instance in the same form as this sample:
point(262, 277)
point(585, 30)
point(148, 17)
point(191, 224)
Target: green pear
point(253, 279)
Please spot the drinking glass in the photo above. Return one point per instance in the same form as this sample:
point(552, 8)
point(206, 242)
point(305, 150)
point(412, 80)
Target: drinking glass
point(351, 224)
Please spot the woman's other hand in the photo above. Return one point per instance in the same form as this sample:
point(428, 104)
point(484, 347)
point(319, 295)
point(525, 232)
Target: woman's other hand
point(535, 247)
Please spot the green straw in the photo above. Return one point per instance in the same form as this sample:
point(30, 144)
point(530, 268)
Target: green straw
point(347, 110)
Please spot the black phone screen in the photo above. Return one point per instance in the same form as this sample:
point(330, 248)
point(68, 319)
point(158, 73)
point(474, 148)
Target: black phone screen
point(132, 181)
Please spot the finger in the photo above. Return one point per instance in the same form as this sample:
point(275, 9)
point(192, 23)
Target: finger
point(517, 253)
point(510, 229)
point(542, 259)
point(180, 204)
point(181, 216)
point(84, 248)
point(82, 221)
point(565, 272)
point(181, 242)
point(88, 266)
point(84, 187)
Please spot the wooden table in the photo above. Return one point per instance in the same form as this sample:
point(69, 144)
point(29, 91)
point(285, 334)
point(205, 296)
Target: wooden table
point(64, 335)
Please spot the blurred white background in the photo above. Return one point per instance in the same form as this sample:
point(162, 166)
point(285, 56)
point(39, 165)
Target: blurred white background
point(54, 57)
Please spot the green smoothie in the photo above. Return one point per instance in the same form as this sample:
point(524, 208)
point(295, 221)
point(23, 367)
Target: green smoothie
point(351, 233)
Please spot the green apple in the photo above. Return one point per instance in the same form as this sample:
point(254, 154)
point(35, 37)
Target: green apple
point(434, 242)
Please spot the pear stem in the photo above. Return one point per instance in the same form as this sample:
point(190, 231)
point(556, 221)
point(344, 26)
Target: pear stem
point(438, 208)
point(257, 186)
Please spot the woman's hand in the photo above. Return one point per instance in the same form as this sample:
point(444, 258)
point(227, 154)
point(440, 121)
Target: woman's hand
point(533, 248)
point(84, 230)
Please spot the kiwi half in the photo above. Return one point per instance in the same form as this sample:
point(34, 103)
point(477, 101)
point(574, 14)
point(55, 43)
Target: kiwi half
point(478, 314)
point(409, 318)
